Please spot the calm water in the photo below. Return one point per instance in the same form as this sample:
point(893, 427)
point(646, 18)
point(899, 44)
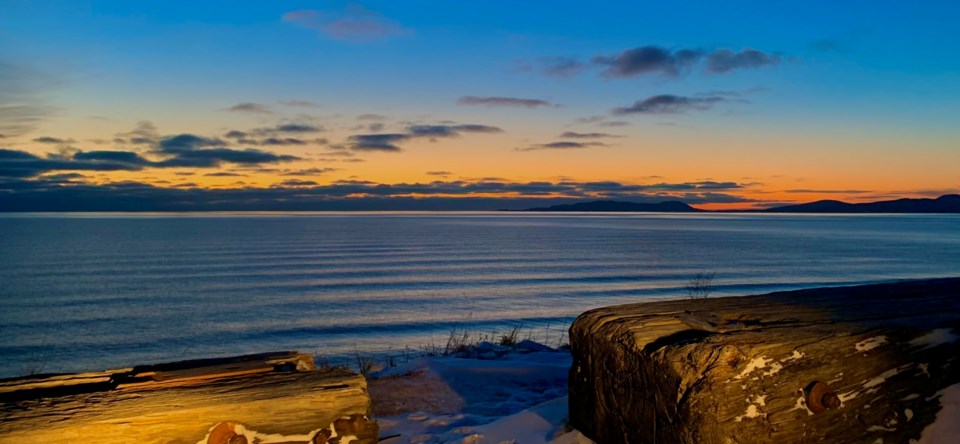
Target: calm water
point(85, 292)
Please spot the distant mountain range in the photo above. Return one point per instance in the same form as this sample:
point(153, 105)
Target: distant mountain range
point(944, 204)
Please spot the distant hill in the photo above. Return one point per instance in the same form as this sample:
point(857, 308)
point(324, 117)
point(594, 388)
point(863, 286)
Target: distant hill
point(944, 204)
point(614, 206)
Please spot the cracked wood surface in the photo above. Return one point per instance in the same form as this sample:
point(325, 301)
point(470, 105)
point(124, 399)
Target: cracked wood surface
point(277, 397)
point(736, 369)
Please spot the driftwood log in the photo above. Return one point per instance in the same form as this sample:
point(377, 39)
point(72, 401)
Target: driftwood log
point(848, 364)
point(271, 397)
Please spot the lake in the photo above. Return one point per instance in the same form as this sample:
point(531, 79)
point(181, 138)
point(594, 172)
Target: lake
point(93, 291)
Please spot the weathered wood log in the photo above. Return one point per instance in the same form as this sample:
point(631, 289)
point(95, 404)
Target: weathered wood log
point(847, 364)
point(270, 397)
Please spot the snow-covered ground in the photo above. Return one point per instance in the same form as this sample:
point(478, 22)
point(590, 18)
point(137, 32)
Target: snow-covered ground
point(509, 397)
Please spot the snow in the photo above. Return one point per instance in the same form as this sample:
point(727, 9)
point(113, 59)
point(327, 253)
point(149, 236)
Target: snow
point(946, 427)
point(936, 337)
point(757, 363)
point(870, 343)
point(520, 398)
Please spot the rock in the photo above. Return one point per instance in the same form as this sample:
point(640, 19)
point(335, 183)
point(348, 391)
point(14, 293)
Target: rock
point(531, 346)
point(849, 364)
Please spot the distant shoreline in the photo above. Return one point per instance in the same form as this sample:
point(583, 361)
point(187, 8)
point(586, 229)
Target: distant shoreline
point(946, 204)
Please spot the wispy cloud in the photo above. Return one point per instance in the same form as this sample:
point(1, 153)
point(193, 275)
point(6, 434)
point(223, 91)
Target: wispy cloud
point(52, 140)
point(647, 60)
point(250, 107)
point(724, 60)
point(576, 135)
point(669, 104)
point(561, 145)
point(652, 60)
point(354, 24)
point(504, 101)
point(299, 103)
point(22, 103)
point(390, 142)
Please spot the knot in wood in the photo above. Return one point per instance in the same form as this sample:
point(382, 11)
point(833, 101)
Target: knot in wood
point(821, 398)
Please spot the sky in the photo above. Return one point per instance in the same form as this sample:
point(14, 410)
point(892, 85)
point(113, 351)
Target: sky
point(439, 105)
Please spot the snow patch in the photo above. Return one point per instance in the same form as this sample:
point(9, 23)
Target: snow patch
point(870, 343)
point(756, 364)
point(946, 426)
point(873, 382)
point(797, 354)
point(844, 397)
point(877, 428)
point(801, 404)
point(936, 337)
point(517, 398)
point(542, 424)
point(774, 368)
point(752, 412)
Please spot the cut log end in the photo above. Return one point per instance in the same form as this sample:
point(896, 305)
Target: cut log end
point(852, 364)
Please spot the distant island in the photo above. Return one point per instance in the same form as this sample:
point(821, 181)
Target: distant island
point(944, 204)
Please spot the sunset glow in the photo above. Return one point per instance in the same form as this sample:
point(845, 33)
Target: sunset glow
point(462, 109)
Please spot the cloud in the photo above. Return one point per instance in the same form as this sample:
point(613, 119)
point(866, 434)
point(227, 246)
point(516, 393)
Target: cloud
point(224, 174)
point(561, 66)
point(288, 141)
point(614, 123)
point(669, 104)
point(186, 142)
point(652, 60)
point(390, 142)
point(482, 194)
point(145, 133)
point(827, 45)
point(236, 134)
point(296, 128)
point(308, 172)
point(377, 142)
point(439, 173)
point(181, 150)
point(576, 135)
point(271, 135)
point(297, 183)
point(647, 60)
point(504, 101)
point(22, 164)
point(299, 103)
point(250, 107)
point(449, 130)
point(376, 117)
point(52, 140)
point(591, 119)
point(212, 157)
point(724, 60)
point(23, 104)
point(354, 24)
point(562, 145)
